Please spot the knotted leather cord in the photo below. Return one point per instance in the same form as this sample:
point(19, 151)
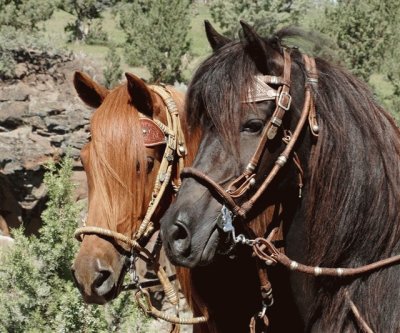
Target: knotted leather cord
point(174, 137)
point(175, 146)
point(266, 250)
point(143, 299)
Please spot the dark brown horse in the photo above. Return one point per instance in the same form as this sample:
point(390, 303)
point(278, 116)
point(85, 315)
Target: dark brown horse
point(347, 169)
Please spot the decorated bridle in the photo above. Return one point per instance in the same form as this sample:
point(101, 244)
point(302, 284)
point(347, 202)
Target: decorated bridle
point(263, 91)
point(154, 133)
point(264, 248)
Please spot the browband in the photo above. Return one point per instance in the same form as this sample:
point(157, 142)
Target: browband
point(261, 91)
point(152, 133)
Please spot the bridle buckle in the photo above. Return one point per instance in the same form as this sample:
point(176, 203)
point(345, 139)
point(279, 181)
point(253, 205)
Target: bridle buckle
point(284, 97)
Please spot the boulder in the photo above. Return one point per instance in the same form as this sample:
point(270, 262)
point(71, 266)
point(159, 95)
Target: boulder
point(41, 118)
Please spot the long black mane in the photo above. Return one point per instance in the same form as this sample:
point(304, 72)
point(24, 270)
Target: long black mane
point(352, 177)
point(354, 192)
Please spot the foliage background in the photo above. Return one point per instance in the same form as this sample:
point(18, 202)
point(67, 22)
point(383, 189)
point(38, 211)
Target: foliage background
point(165, 40)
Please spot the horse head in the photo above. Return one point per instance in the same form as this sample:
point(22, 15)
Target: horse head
point(233, 97)
point(121, 161)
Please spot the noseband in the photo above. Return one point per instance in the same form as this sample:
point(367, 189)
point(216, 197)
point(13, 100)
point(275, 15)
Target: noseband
point(154, 133)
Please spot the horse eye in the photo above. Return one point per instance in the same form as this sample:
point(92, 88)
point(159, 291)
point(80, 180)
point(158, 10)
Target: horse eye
point(253, 126)
point(150, 164)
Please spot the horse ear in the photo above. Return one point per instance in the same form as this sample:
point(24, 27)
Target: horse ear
point(215, 39)
point(267, 59)
point(140, 95)
point(88, 90)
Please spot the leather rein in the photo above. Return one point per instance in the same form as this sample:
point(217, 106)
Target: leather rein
point(264, 248)
point(154, 133)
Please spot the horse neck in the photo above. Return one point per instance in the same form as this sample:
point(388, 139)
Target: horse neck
point(333, 235)
point(230, 290)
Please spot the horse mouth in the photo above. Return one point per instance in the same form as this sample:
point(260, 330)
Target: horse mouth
point(209, 251)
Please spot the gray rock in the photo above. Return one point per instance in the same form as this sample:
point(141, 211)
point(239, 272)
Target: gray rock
point(12, 114)
point(19, 93)
point(41, 118)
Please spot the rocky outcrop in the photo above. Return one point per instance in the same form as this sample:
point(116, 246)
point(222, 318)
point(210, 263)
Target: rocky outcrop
point(41, 118)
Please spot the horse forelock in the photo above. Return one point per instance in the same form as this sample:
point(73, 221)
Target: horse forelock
point(117, 151)
point(216, 91)
point(116, 155)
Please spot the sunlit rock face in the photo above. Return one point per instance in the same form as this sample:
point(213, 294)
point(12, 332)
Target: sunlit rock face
point(40, 116)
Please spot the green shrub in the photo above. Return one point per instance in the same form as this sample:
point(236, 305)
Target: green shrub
point(87, 26)
point(157, 37)
point(266, 15)
point(96, 34)
point(7, 65)
point(112, 72)
point(37, 293)
point(25, 14)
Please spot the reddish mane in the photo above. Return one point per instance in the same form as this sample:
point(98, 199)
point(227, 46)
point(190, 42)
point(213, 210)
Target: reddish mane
point(116, 153)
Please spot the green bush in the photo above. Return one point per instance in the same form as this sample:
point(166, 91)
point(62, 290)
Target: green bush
point(37, 293)
point(157, 36)
point(96, 34)
point(7, 65)
point(366, 33)
point(112, 72)
point(87, 26)
point(25, 14)
point(266, 15)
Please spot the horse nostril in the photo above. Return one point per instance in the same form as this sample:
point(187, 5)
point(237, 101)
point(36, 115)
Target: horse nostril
point(180, 238)
point(102, 277)
point(103, 283)
point(179, 232)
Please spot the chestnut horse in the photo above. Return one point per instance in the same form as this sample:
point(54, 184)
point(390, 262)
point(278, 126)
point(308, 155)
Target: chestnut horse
point(122, 161)
point(335, 191)
point(119, 195)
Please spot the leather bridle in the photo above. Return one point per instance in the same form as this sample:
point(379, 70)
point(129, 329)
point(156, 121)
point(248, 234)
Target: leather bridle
point(154, 133)
point(247, 180)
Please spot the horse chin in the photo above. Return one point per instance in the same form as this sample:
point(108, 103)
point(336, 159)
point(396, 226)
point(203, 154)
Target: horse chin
point(219, 244)
point(209, 251)
point(100, 300)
